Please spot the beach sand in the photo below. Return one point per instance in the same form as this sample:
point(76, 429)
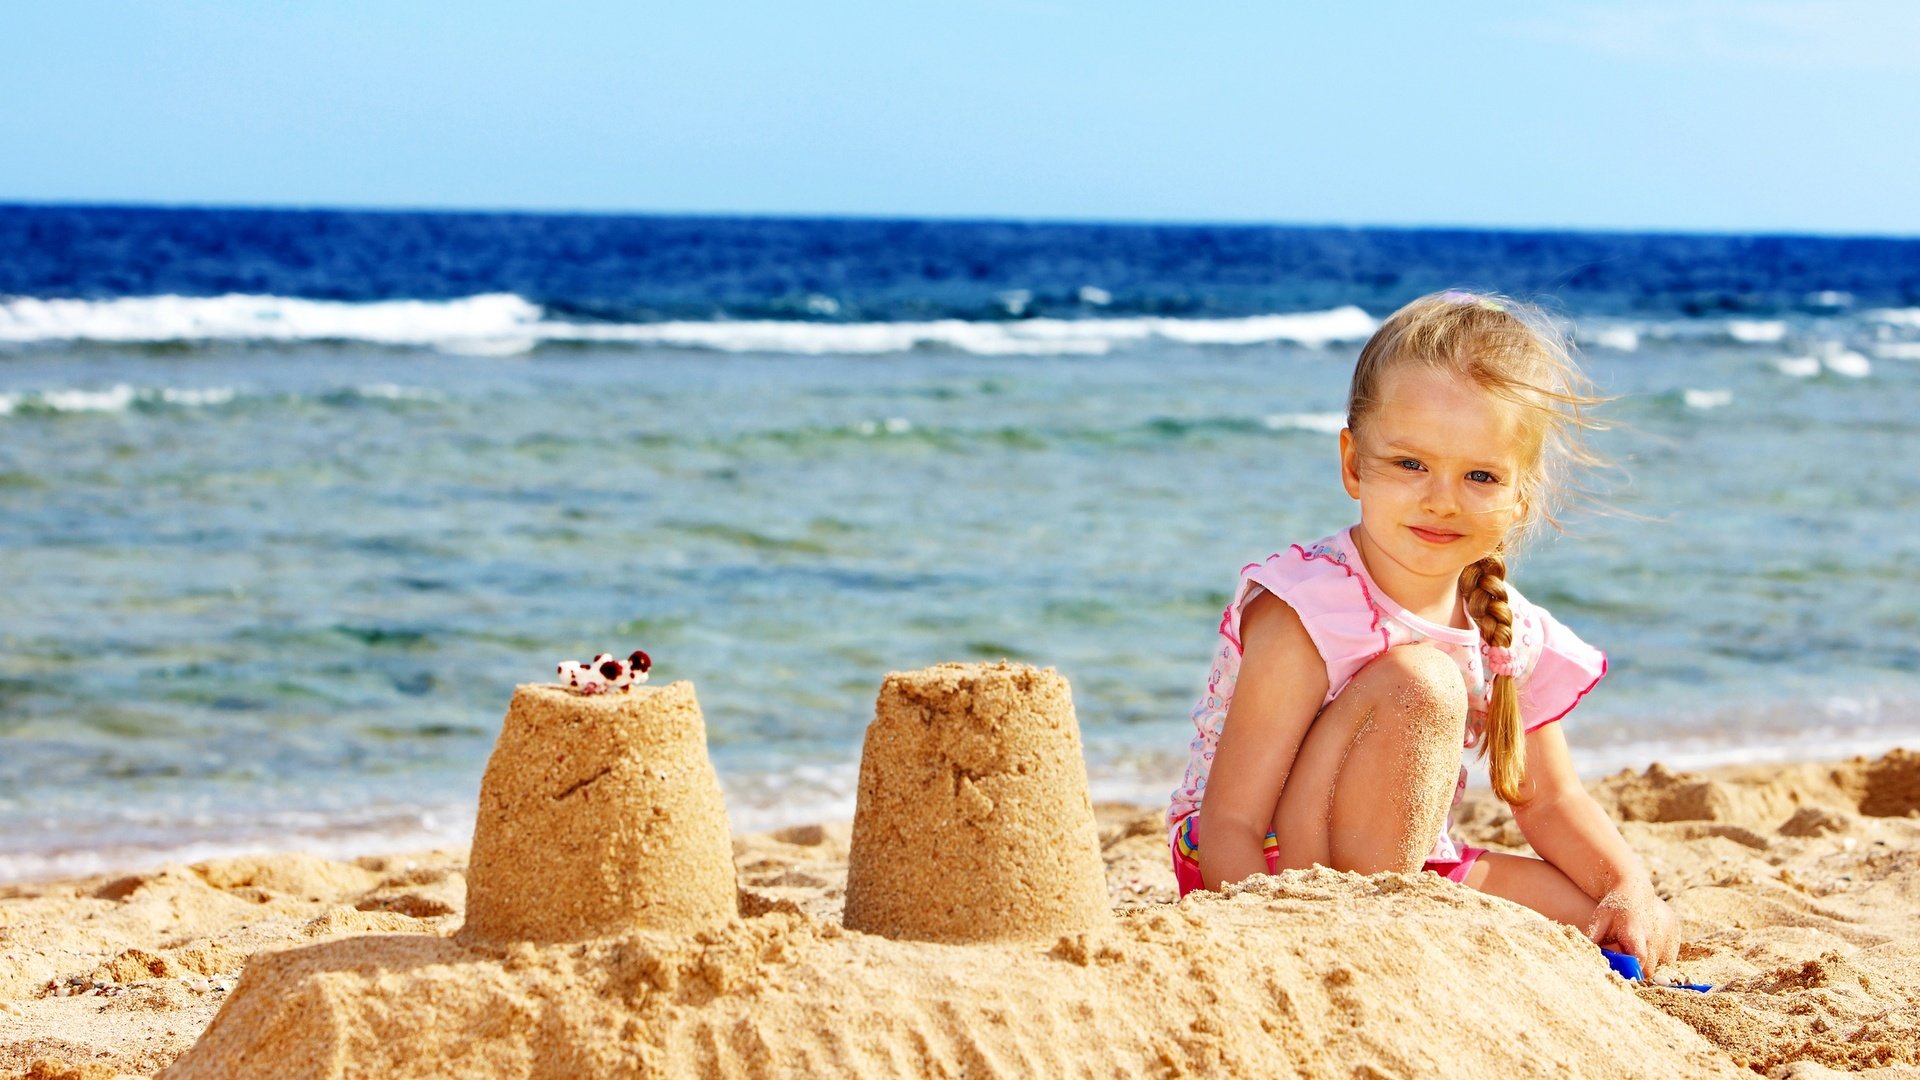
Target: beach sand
point(1798, 886)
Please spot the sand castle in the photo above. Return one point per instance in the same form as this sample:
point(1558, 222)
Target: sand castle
point(973, 821)
point(599, 815)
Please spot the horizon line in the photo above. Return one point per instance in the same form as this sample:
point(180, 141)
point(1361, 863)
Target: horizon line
point(7, 203)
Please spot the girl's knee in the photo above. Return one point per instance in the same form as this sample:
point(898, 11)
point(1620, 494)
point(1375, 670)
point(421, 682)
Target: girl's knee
point(1420, 685)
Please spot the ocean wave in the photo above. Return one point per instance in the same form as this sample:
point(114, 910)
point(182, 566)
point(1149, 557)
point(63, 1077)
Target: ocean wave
point(392, 392)
point(1630, 335)
point(1617, 338)
point(168, 319)
point(117, 398)
point(1897, 316)
point(117, 845)
point(122, 397)
point(505, 324)
point(1684, 754)
point(1327, 423)
point(892, 425)
point(1706, 399)
point(1756, 331)
point(1029, 337)
point(1847, 362)
point(1834, 358)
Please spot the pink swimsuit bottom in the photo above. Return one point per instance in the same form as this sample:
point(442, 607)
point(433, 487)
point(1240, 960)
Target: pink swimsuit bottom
point(1186, 868)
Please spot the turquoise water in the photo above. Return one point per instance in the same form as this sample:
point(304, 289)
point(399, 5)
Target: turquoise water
point(269, 594)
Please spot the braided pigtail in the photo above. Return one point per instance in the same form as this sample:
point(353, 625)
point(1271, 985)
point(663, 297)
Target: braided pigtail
point(1483, 587)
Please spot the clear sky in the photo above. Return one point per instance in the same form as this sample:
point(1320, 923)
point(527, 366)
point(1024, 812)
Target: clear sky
point(1711, 114)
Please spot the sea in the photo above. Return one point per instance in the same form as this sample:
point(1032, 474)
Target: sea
point(290, 500)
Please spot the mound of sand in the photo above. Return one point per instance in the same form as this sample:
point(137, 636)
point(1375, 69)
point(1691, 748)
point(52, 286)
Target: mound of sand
point(1766, 796)
point(599, 815)
point(1797, 887)
point(118, 975)
point(1314, 972)
point(973, 821)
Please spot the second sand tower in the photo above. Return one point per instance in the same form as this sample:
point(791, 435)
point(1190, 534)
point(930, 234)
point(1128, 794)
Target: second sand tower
point(973, 821)
point(599, 815)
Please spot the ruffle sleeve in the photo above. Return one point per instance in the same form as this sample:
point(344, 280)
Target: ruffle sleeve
point(1331, 601)
point(1563, 670)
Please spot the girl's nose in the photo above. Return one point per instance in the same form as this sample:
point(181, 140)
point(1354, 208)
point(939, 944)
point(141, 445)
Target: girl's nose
point(1440, 497)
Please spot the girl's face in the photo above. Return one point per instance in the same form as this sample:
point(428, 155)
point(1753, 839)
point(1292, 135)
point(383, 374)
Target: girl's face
point(1436, 469)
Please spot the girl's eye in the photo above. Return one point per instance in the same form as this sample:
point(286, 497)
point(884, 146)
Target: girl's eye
point(1482, 476)
point(1410, 465)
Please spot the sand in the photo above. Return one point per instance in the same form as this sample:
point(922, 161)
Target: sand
point(973, 822)
point(1798, 887)
point(598, 815)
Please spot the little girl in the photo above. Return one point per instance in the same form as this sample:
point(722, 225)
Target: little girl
point(1352, 670)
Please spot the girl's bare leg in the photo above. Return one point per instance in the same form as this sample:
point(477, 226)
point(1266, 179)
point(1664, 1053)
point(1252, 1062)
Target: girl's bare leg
point(1375, 774)
point(1534, 883)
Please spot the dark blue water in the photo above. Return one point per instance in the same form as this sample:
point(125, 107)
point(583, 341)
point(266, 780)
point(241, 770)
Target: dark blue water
point(290, 501)
point(641, 268)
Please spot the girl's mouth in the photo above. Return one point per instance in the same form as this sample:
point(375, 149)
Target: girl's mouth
point(1434, 537)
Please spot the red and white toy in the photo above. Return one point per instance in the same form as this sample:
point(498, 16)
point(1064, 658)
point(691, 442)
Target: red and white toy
point(605, 673)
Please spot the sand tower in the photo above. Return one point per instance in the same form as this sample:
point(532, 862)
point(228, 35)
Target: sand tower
point(973, 822)
point(599, 815)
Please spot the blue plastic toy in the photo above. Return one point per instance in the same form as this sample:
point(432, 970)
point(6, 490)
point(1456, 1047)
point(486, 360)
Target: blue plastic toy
point(1628, 968)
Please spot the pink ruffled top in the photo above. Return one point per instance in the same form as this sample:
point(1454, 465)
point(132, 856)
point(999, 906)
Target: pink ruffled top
point(1351, 621)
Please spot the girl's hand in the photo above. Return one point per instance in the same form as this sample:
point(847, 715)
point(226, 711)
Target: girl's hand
point(1634, 920)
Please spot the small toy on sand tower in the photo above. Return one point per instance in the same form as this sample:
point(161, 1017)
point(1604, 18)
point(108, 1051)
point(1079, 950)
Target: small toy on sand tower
point(599, 814)
point(973, 821)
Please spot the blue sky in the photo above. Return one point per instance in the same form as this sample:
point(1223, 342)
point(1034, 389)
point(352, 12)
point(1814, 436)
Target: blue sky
point(1712, 115)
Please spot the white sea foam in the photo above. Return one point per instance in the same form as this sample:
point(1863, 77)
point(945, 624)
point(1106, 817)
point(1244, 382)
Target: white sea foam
point(117, 398)
point(200, 837)
point(495, 346)
point(1897, 316)
point(393, 392)
point(1617, 338)
point(1095, 295)
point(1847, 362)
point(1835, 358)
point(113, 399)
point(503, 324)
point(815, 339)
point(1706, 399)
point(1328, 423)
point(1029, 337)
point(1814, 743)
point(1898, 350)
point(1757, 331)
point(198, 397)
point(154, 319)
point(806, 793)
point(892, 425)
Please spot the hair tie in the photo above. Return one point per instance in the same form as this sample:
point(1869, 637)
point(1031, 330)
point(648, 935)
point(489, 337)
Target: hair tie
point(1461, 296)
point(1500, 660)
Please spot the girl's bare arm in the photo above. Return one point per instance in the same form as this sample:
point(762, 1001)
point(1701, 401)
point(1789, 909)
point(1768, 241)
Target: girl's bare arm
point(1282, 683)
point(1568, 829)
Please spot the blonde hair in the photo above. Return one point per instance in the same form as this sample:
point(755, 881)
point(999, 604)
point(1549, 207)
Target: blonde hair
point(1514, 351)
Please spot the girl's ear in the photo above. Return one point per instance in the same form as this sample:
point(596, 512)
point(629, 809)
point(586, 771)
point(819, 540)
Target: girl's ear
point(1349, 463)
